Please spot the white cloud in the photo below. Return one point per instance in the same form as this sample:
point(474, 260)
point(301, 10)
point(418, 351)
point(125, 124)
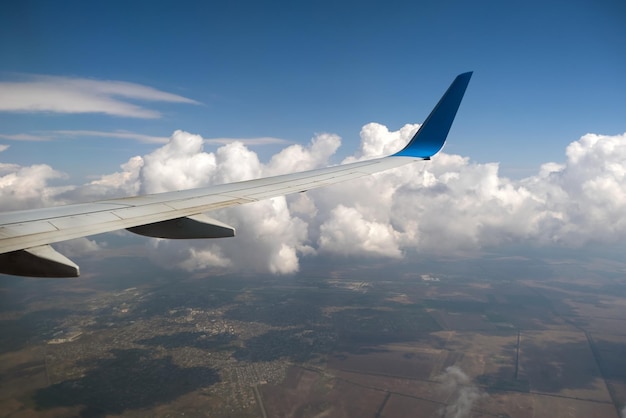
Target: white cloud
point(147, 139)
point(273, 238)
point(263, 140)
point(28, 187)
point(180, 254)
point(180, 164)
point(347, 232)
point(79, 247)
point(119, 184)
point(462, 393)
point(79, 95)
point(3, 147)
point(298, 158)
point(135, 136)
point(26, 137)
point(377, 140)
point(446, 205)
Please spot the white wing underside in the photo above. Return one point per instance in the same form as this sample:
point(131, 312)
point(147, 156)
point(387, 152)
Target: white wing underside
point(31, 228)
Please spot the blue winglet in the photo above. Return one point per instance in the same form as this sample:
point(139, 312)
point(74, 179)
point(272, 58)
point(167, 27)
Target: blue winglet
point(431, 136)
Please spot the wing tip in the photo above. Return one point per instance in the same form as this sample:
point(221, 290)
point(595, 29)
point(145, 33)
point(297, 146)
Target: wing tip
point(431, 136)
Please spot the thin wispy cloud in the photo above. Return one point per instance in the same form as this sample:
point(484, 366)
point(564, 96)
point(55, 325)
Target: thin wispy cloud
point(79, 95)
point(147, 139)
point(265, 140)
point(135, 136)
point(26, 137)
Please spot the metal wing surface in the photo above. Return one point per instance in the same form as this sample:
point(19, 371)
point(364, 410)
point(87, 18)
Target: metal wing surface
point(25, 235)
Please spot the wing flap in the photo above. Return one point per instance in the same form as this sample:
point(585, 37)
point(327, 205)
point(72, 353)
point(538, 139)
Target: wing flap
point(190, 227)
point(84, 220)
point(42, 261)
point(210, 201)
point(26, 228)
point(142, 211)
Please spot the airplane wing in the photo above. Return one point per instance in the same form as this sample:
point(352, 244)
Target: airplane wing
point(25, 236)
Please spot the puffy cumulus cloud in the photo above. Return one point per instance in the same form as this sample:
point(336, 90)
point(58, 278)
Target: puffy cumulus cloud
point(446, 205)
point(271, 237)
point(582, 200)
point(28, 187)
point(175, 253)
point(348, 232)
point(80, 247)
point(183, 164)
point(452, 204)
point(122, 183)
point(298, 158)
point(262, 140)
point(236, 163)
point(179, 164)
point(377, 140)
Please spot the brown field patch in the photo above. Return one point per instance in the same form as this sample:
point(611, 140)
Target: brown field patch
point(462, 321)
point(481, 354)
point(618, 388)
point(22, 371)
point(401, 406)
point(307, 393)
point(426, 390)
point(522, 405)
point(602, 306)
point(395, 360)
point(605, 326)
point(561, 363)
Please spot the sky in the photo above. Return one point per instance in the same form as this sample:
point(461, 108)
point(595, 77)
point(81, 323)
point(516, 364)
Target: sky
point(107, 99)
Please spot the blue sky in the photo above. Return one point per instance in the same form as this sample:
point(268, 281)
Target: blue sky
point(546, 73)
point(96, 90)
